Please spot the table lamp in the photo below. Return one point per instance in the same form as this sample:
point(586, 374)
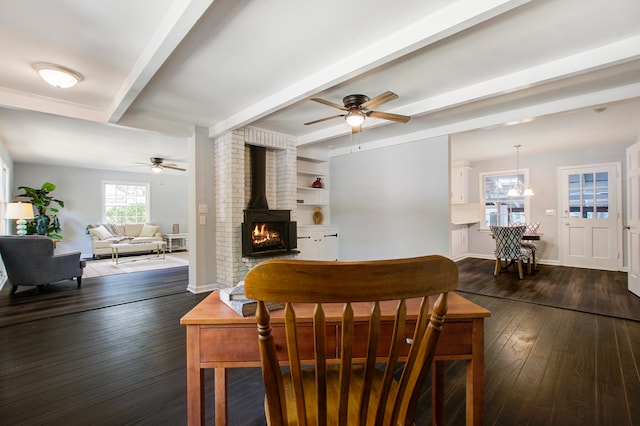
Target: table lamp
point(20, 212)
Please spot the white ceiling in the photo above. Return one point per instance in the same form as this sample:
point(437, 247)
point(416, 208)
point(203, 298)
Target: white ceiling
point(491, 73)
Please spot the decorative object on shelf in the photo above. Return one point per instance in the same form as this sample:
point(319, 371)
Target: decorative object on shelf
point(176, 228)
point(21, 212)
point(515, 190)
point(317, 183)
point(317, 216)
point(46, 220)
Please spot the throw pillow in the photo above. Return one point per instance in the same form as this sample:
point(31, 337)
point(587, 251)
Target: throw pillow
point(100, 232)
point(148, 230)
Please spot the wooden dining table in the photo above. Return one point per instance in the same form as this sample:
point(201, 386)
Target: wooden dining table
point(218, 338)
point(532, 236)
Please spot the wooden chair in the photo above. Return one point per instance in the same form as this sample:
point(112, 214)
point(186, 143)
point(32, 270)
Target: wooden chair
point(353, 375)
point(508, 247)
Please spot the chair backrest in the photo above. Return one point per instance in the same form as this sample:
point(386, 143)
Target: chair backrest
point(28, 259)
point(531, 228)
point(370, 300)
point(508, 240)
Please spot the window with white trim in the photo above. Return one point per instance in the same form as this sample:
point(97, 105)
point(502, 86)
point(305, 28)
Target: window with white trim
point(500, 208)
point(125, 202)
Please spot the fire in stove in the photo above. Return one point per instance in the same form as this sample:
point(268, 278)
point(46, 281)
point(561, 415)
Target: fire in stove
point(263, 238)
point(268, 231)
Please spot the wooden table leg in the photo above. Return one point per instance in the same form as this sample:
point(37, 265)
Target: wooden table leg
point(475, 376)
point(195, 378)
point(221, 395)
point(437, 393)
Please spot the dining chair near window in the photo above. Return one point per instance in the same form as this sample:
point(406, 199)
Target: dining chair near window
point(532, 246)
point(531, 228)
point(359, 371)
point(508, 247)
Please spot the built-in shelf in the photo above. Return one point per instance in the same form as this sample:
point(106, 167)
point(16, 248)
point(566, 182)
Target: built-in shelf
point(308, 169)
point(310, 173)
point(310, 188)
point(311, 160)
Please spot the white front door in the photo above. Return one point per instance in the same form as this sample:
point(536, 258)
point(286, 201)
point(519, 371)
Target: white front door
point(633, 218)
point(591, 223)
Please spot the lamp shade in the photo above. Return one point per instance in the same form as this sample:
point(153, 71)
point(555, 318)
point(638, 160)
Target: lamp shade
point(19, 211)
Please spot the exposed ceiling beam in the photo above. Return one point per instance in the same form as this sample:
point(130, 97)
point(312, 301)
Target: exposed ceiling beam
point(455, 18)
point(179, 20)
point(524, 114)
point(580, 63)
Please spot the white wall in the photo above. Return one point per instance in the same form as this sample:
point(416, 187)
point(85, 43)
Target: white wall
point(81, 191)
point(392, 202)
point(543, 174)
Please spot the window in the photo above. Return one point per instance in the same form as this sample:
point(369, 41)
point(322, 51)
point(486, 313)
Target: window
point(499, 208)
point(589, 195)
point(125, 202)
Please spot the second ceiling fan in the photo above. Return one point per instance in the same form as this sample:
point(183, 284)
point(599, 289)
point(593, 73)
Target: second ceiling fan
point(157, 164)
point(358, 107)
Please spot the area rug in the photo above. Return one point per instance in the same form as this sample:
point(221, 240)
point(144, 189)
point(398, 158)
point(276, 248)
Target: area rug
point(138, 263)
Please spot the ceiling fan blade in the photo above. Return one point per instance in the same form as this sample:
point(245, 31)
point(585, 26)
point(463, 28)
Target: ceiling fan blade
point(388, 116)
point(172, 167)
point(324, 119)
point(329, 103)
point(379, 100)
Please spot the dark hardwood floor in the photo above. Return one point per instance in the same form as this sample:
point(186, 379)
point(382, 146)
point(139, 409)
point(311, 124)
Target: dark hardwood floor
point(584, 290)
point(124, 363)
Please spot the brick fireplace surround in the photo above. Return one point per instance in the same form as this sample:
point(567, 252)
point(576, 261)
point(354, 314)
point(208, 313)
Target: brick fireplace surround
point(233, 189)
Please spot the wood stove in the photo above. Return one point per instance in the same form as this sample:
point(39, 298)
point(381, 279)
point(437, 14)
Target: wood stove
point(265, 232)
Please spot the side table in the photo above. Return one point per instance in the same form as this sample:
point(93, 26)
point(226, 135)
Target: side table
point(177, 241)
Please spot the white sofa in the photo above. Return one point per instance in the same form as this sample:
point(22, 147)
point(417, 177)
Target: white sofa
point(103, 235)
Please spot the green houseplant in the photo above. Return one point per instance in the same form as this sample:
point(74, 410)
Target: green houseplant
point(46, 221)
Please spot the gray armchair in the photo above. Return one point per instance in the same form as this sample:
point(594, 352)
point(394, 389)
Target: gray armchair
point(29, 260)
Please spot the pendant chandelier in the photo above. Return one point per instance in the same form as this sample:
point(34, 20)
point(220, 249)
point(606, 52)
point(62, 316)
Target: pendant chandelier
point(515, 190)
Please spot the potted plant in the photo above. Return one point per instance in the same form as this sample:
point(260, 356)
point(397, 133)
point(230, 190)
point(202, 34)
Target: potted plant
point(46, 221)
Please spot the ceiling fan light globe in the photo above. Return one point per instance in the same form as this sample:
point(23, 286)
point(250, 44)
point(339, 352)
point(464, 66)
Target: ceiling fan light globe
point(156, 168)
point(354, 118)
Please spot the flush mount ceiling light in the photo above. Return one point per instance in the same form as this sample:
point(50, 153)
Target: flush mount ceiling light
point(57, 75)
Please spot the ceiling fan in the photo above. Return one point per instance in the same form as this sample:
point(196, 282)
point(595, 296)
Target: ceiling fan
point(157, 164)
point(358, 107)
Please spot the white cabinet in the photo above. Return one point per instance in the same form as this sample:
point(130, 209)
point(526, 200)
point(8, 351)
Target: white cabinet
point(317, 242)
point(309, 170)
point(460, 183)
point(459, 241)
